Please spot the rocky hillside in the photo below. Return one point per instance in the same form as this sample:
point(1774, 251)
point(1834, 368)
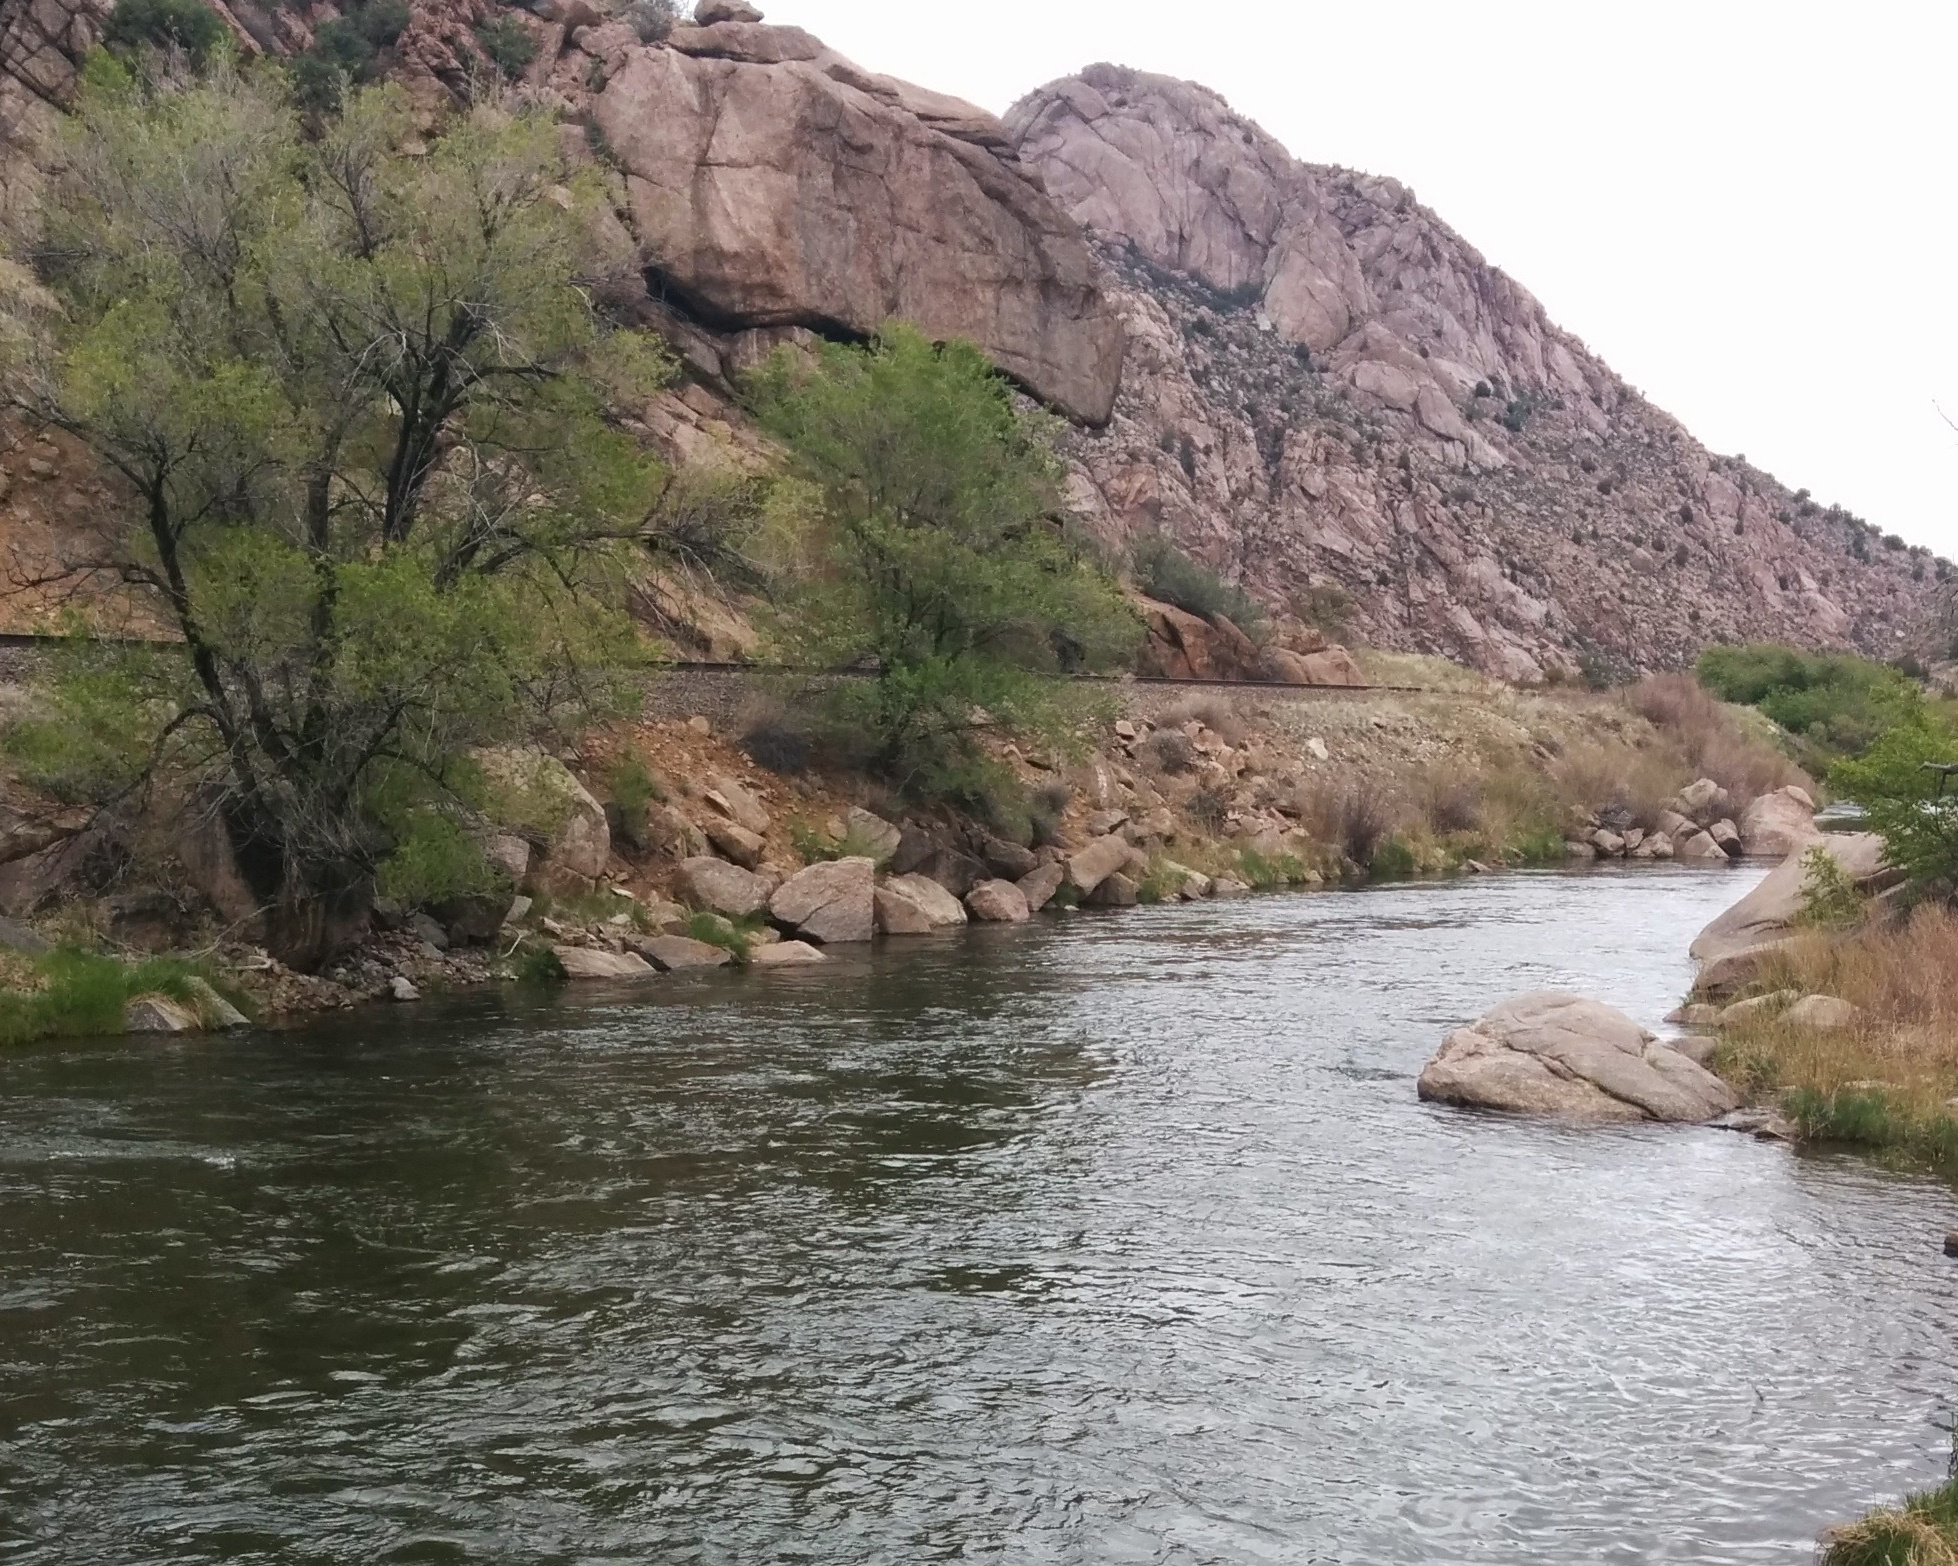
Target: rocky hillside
point(1325, 385)
point(1297, 372)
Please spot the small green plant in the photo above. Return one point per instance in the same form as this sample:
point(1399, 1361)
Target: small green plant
point(1393, 859)
point(1829, 896)
point(814, 844)
point(1266, 871)
point(1161, 883)
point(508, 44)
point(539, 965)
point(188, 25)
point(731, 935)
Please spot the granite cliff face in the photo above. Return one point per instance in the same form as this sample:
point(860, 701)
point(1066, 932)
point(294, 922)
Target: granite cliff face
point(1297, 372)
point(1326, 387)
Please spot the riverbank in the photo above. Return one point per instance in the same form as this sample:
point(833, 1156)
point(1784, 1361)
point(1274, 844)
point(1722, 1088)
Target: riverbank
point(712, 830)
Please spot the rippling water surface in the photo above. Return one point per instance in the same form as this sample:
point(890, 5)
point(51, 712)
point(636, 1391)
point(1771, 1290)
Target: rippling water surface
point(1107, 1240)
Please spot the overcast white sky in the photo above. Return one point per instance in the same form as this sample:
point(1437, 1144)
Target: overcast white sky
point(1749, 210)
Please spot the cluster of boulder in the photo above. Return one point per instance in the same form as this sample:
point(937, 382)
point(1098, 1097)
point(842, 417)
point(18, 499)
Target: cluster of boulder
point(1548, 1053)
point(1700, 823)
point(1180, 645)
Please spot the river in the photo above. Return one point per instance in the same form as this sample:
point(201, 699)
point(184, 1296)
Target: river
point(1109, 1239)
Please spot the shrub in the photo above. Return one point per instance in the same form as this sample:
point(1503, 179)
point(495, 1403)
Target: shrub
point(435, 859)
point(1454, 806)
point(1392, 860)
point(1168, 751)
point(341, 44)
point(1164, 572)
point(777, 745)
point(1210, 809)
point(652, 20)
point(509, 45)
point(1213, 712)
point(382, 22)
point(188, 25)
point(539, 965)
point(1829, 897)
point(1046, 806)
point(1355, 817)
point(1326, 607)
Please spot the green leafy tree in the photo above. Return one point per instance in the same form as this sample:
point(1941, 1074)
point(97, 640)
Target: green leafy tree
point(356, 399)
point(1913, 806)
point(946, 569)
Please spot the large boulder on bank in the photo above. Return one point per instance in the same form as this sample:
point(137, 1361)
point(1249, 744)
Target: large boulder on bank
point(715, 886)
point(1547, 1053)
point(998, 902)
point(1040, 884)
point(537, 793)
point(1778, 824)
point(940, 908)
point(830, 902)
point(678, 953)
point(1729, 951)
point(1097, 862)
point(589, 962)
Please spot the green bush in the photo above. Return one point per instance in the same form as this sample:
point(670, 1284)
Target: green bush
point(188, 25)
point(1837, 702)
point(1914, 808)
point(1164, 572)
point(508, 43)
point(436, 859)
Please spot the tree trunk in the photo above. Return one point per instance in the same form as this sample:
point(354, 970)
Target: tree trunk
point(311, 913)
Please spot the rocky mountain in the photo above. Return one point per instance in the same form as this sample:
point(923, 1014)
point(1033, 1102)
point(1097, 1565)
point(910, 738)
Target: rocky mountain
point(1326, 387)
point(1298, 373)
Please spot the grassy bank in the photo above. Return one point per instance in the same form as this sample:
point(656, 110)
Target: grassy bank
point(1889, 1081)
point(1923, 1531)
point(69, 993)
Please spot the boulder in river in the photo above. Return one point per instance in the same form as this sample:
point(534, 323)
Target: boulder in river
point(998, 902)
point(588, 962)
point(937, 907)
point(1549, 1053)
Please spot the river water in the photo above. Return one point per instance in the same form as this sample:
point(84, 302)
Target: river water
point(1111, 1239)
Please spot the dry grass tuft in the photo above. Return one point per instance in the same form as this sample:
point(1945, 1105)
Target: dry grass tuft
point(1213, 712)
point(1610, 776)
point(1713, 740)
point(1355, 817)
point(1888, 1538)
point(1887, 1080)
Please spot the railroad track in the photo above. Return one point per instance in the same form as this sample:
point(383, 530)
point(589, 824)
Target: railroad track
point(26, 641)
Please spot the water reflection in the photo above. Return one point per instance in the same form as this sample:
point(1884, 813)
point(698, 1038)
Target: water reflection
point(1119, 1240)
